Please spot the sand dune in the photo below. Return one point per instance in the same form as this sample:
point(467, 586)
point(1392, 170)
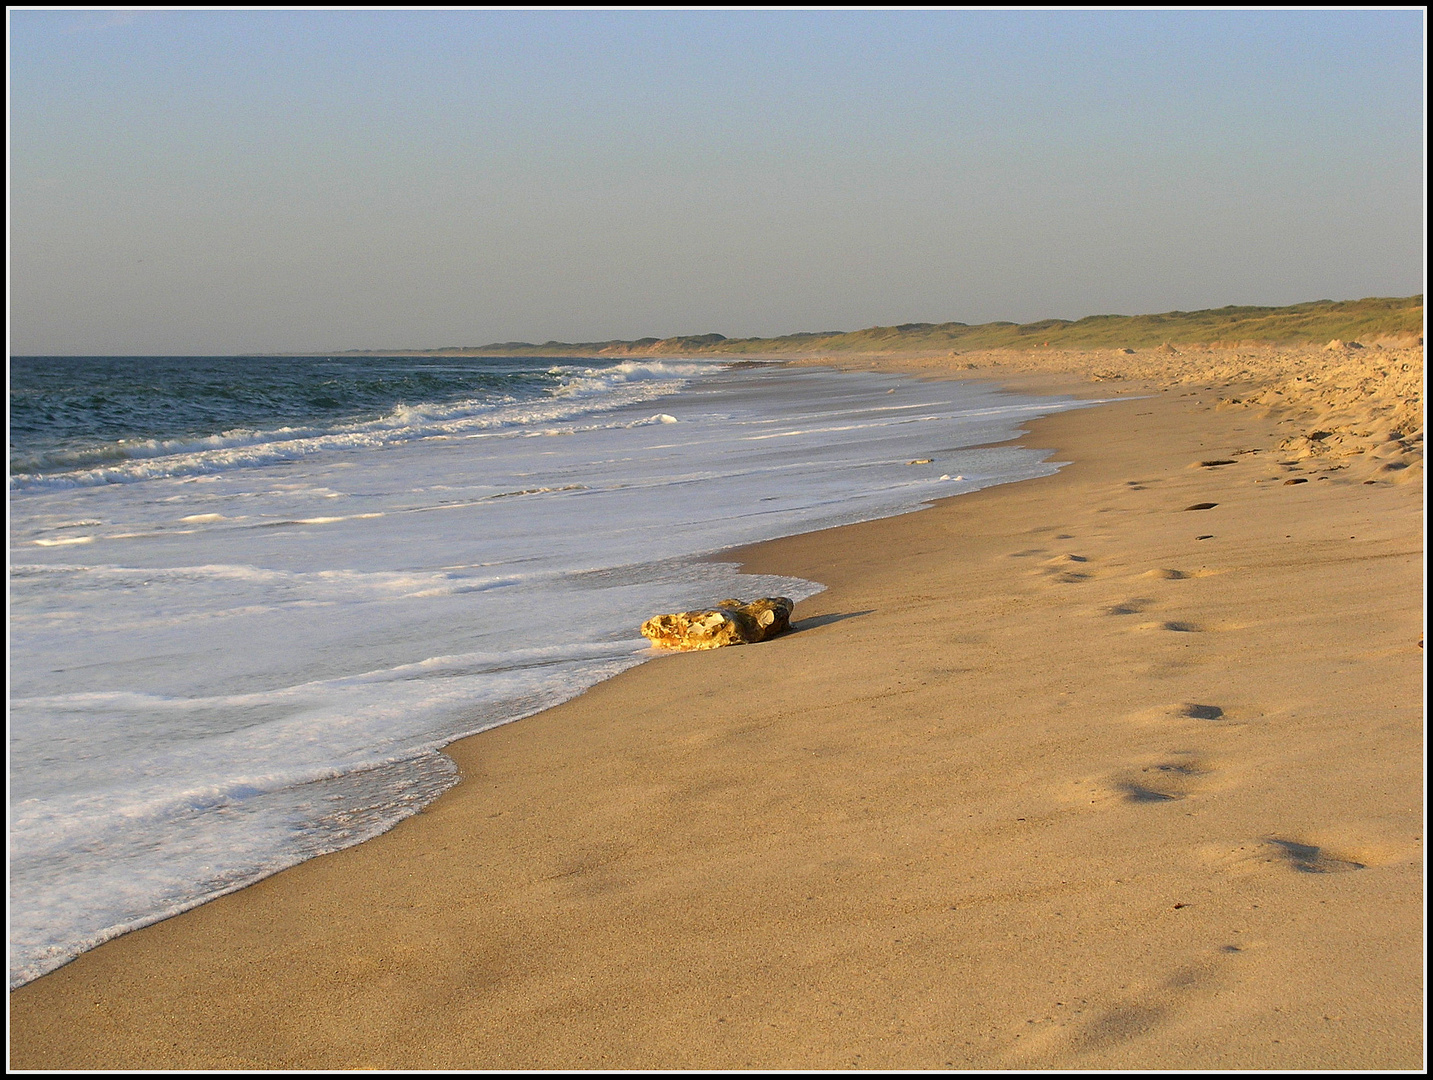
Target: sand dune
point(1357, 408)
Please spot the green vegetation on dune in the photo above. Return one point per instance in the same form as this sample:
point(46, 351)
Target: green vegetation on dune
point(1313, 323)
point(1301, 324)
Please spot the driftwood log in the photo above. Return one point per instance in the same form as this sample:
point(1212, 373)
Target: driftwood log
point(731, 622)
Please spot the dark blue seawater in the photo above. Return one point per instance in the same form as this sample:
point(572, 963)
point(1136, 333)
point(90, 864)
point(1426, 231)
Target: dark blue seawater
point(69, 412)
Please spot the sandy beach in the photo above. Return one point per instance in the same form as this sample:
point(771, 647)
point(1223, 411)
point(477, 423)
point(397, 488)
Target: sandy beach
point(1117, 768)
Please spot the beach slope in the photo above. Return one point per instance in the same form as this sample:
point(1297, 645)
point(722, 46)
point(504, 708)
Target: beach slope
point(1116, 768)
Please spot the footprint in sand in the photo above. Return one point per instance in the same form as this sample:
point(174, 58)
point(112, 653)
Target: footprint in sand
point(1168, 781)
point(1167, 574)
point(1309, 858)
point(1271, 853)
point(1133, 606)
point(1171, 778)
point(1194, 711)
point(1205, 713)
point(1177, 626)
point(1067, 569)
point(1139, 793)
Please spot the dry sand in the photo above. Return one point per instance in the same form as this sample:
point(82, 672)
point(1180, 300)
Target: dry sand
point(1059, 774)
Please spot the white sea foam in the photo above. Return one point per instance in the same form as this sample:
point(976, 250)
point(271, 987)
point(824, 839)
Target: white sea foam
point(586, 391)
point(195, 707)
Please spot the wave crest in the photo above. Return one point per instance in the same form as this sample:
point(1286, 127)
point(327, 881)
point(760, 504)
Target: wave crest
point(584, 392)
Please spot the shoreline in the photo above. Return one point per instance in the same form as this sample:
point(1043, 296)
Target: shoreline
point(970, 781)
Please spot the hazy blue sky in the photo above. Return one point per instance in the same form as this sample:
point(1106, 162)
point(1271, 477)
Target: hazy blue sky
point(198, 182)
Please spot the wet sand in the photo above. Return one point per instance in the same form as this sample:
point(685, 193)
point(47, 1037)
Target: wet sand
point(1059, 774)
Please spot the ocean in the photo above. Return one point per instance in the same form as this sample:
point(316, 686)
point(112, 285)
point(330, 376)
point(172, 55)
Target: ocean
point(251, 598)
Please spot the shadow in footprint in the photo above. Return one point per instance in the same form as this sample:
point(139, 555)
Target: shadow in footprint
point(1118, 1026)
point(1067, 568)
point(1310, 859)
point(1181, 769)
point(1182, 627)
point(1129, 607)
point(1202, 712)
point(1138, 793)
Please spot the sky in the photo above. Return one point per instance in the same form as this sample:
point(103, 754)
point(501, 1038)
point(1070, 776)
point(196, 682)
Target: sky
point(202, 182)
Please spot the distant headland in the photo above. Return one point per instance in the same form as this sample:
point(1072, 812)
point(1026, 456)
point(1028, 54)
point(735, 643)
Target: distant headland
point(1395, 319)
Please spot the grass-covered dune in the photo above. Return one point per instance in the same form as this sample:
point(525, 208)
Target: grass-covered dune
point(1316, 322)
point(1374, 318)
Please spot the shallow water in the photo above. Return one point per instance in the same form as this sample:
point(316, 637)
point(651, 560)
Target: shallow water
point(240, 633)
